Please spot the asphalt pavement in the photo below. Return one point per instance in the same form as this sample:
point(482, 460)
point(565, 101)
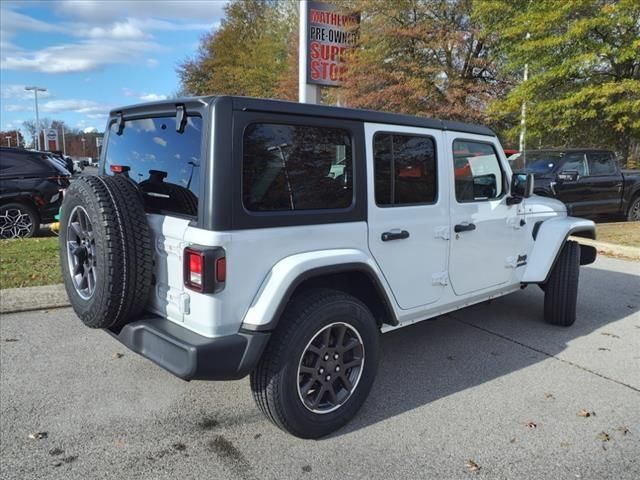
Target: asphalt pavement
point(487, 392)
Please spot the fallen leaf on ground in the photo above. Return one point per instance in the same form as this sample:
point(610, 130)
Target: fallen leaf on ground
point(607, 334)
point(118, 355)
point(549, 396)
point(450, 357)
point(513, 440)
point(565, 444)
point(34, 276)
point(472, 466)
point(10, 340)
point(38, 435)
point(623, 430)
point(604, 349)
point(586, 413)
point(531, 424)
point(604, 436)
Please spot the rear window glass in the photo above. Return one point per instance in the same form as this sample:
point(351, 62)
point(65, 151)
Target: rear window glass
point(295, 167)
point(163, 162)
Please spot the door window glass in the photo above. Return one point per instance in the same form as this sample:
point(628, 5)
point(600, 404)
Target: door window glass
point(405, 169)
point(601, 163)
point(576, 162)
point(296, 167)
point(477, 171)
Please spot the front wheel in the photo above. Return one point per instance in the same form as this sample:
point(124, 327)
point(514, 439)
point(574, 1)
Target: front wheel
point(320, 364)
point(561, 290)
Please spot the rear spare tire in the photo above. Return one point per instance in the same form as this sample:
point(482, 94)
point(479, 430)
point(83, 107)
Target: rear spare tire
point(105, 250)
point(561, 290)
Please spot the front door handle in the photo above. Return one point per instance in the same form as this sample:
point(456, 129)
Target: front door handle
point(401, 235)
point(464, 227)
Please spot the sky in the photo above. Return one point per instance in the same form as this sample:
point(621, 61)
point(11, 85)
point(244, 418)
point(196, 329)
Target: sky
point(93, 55)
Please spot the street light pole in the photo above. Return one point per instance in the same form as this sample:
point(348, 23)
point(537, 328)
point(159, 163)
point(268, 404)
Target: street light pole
point(64, 143)
point(35, 90)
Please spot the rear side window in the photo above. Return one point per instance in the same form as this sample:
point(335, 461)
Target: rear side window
point(164, 163)
point(296, 167)
point(477, 172)
point(601, 163)
point(405, 169)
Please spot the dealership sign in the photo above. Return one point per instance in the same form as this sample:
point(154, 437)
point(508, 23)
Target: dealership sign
point(331, 33)
point(52, 139)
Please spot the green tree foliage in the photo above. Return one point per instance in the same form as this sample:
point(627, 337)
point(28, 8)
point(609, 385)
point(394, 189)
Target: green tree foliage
point(423, 57)
point(246, 55)
point(584, 69)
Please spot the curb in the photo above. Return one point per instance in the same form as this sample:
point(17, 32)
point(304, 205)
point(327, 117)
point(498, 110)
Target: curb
point(611, 249)
point(14, 300)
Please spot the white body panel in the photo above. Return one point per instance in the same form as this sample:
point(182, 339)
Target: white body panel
point(551, 236)
point(483, 258)
point(411, 266)
point(432, 272)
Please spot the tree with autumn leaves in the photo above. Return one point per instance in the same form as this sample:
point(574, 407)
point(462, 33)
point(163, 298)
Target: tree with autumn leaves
point(454, 59)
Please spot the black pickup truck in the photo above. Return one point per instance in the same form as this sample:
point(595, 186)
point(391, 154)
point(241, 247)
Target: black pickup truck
point(589, 182)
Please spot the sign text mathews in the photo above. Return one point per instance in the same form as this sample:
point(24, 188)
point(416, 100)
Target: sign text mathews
point(331, 34)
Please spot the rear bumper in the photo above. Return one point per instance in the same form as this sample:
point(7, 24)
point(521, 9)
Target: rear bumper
point(191, 356)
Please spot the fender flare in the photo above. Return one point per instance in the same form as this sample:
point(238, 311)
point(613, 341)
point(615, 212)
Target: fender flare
point(550, 237)
point(289, 273)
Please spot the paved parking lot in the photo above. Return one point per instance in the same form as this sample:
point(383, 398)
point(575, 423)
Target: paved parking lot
point(492, 384)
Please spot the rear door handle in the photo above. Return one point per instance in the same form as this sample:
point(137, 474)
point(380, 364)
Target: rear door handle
point(464, 227)
point(401, 235)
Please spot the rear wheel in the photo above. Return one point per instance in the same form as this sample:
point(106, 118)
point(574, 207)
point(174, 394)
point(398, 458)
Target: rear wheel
point(561, 290)
point(320, 364)
point(18, 220)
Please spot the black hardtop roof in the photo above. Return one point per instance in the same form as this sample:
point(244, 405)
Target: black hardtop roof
point(295, 108)
point(572, 149)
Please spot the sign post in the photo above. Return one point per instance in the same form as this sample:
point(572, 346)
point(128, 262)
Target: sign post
point(326, 34)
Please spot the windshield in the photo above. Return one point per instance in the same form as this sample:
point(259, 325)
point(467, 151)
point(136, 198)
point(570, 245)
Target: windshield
point(163, 162)
point(541, 162)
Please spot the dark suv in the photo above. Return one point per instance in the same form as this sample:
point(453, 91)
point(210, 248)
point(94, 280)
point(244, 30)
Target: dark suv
point(31, 185)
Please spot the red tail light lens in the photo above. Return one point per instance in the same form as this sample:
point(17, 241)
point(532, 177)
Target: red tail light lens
point(195, 269)
point(205, 269)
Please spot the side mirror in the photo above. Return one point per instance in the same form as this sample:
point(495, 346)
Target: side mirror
point(568, 176)
point(521, 187)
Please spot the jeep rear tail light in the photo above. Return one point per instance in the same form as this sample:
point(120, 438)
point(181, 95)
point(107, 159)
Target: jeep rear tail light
point(205, 269)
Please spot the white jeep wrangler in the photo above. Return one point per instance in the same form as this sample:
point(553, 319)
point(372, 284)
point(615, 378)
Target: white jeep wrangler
point(228, 236)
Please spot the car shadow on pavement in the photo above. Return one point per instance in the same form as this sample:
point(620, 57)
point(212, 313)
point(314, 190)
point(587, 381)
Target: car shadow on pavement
point(431, 360)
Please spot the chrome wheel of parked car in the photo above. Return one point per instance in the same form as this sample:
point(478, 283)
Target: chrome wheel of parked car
point(16, 222)
point(330, 368)
point(634, 211)
point(81, 251)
